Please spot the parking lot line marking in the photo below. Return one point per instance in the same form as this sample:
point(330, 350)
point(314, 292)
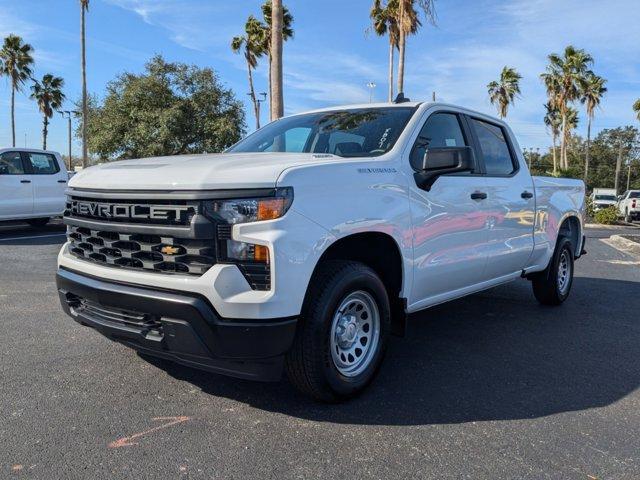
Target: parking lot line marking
point(128, 441)
point(32, 237)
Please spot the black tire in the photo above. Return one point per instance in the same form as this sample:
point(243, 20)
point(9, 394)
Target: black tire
point(38, 222)
point(548, 287)
point(309, 364)
point(628, 218)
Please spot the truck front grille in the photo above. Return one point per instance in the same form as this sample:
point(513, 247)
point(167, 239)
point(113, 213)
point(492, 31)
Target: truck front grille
point(137, 320)
point(142, 251)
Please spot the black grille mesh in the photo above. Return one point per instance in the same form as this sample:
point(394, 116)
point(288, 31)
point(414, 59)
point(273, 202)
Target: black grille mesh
point(142, 251)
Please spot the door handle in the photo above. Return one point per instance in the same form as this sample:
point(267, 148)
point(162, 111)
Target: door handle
point(62, 181)
point(25, 181)
point(526, 194)
point(478, 196)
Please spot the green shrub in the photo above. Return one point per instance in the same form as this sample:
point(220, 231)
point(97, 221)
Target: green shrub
point(607, 215)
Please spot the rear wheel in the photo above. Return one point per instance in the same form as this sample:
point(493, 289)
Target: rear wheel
point(342, 335)
point(38, 222)
point(627, 217)
point(552, 286)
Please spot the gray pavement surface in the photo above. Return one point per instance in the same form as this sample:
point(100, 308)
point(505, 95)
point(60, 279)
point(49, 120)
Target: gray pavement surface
point(491, 386)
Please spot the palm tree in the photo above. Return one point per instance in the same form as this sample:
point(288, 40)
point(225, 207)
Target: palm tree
point(636, 108)
point(408, 22)
point(592, 91)
point(564, 78)
point(384, 20)
point(252, 44)
point(286, 20)
point(554, 122)
point(15, 63)
point(502, 93)
point(84, 7)
point(48, 94)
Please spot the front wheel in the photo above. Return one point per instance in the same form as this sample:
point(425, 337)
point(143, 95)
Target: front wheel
point(342, 334)
point(627, 217)
point(552, 286)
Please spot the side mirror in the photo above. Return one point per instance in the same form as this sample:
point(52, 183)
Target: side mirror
point(440, 161)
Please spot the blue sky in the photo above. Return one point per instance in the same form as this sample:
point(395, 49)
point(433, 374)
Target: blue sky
point(332, 58)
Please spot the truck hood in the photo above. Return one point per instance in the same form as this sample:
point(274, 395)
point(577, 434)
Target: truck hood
point(194, 172)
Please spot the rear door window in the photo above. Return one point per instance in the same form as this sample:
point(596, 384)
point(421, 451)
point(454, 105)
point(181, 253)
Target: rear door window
point(11, 164)
point(42, 163)
point(494, 148)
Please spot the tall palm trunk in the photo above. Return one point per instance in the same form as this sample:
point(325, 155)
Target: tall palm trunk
point(586, 160)
point(391, 59)
point(84, 87)
point(618, 167)
point(563, 139)
point(45, 131)
point(555, 157)
point(277, 101)
point(402, 41)
point(252, 94)
point(13, 115)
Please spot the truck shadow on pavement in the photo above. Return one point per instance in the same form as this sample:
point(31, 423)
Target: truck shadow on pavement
point(497, 355)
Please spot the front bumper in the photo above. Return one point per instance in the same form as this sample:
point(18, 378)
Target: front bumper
point(182, 327)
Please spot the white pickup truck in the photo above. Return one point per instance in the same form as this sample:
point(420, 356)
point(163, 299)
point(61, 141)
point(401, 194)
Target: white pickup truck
point(629, 205)
point(305, 245)
point(32, 185)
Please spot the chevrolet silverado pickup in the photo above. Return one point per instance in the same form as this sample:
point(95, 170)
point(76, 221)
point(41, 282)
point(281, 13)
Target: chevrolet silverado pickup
point(305, 245)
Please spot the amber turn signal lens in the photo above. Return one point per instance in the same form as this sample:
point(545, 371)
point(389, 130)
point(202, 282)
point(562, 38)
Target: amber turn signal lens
point(261, 253)
point(270, 209)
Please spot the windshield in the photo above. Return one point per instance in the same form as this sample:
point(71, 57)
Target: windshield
point(605, 197)
point(634, 194)
point(361, 132)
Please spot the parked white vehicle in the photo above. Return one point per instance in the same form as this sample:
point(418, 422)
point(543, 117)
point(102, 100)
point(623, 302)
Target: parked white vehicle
point(32, 185)
point(629, 205)
point(307, 243)
point(603, 198)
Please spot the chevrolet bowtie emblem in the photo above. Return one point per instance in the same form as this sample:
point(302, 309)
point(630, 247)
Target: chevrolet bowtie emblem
point(169, 250)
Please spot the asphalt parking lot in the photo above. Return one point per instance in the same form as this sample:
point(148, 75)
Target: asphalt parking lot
point(490, 386)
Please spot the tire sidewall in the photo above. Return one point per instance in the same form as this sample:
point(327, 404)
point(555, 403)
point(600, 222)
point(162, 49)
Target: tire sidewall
point(366, 280)
point(564, 244)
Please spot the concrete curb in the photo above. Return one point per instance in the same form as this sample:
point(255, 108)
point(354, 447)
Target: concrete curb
point(624, 245)
point(611, 227)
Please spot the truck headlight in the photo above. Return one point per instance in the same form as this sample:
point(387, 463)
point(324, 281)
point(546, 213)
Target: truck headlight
point(244, 210)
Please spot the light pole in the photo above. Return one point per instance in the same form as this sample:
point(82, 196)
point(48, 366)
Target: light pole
point(371, 86)
point(68, 114)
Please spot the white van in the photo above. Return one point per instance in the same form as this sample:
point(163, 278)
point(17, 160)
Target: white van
point(32, 185)
point(603, 198)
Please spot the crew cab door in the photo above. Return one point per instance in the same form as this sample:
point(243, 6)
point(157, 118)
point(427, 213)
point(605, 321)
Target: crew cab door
point(49, 180)
point(510, 203)
point(16, 190)
point(449, 221)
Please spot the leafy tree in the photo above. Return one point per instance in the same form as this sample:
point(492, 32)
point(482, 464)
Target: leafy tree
point(592, 91)
point(408, 22)
point(503, 92)
point(49, 97)
point(384, 22)
point(563, 79)
point(252, 46)
point(636, 108)
point(15, 63)
point(170, 109)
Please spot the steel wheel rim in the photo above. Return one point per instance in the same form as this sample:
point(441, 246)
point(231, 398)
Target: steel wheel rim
point(564, 273)
point(355, 333)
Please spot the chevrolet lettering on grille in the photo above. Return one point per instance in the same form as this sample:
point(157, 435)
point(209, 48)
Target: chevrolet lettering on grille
point(118, 210)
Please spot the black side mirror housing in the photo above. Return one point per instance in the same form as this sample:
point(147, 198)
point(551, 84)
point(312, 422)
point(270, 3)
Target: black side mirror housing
point(440, 161)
